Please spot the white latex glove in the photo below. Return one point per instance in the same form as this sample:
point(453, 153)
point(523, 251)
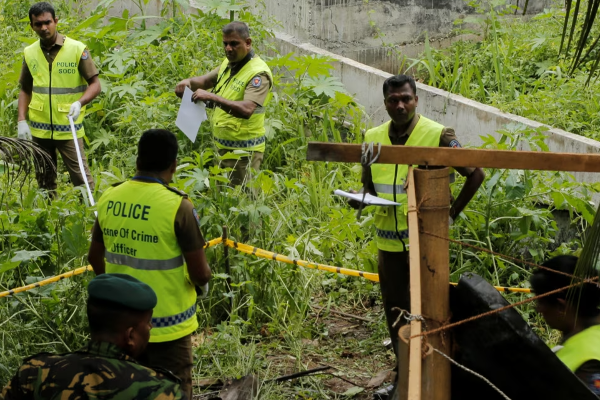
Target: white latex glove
point(24, 131)
point(75, 110)
point(204, 290)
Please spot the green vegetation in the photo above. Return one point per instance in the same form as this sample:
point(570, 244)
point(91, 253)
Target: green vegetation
point(516, 67)
point(274, 326)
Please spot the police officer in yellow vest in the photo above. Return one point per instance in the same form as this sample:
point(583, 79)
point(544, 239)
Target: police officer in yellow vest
point(150, 231)
point(575, 313)
point(406, 128)
point(240, 92)
point(58, 79)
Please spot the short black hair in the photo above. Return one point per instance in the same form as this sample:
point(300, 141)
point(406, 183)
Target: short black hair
point(105, 317)
point(241, 28)
point(398, 81)
point(157, 150)
point(586, 296)
point(41, 8)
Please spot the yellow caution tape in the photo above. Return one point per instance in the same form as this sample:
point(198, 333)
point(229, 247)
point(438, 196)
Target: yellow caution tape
point(48, 281)
point(255, 251)
point(74, 272)
point(506, 289)
point(213, 242)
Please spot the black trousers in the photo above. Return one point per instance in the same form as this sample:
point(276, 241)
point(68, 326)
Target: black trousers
point(394, 280)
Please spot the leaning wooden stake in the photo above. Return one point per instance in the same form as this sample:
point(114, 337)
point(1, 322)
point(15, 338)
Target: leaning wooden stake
point(433, 201)
point(414, 364)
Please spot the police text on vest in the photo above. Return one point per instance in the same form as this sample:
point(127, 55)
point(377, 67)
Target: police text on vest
point(127, 210)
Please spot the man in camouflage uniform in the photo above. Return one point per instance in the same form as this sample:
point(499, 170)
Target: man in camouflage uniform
point(119, 312)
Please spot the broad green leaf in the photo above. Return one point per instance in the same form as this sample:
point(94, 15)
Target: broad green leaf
point(7, 266)
point(89, 21)
point(325, 85)
point(514, 188)
point(26, 255)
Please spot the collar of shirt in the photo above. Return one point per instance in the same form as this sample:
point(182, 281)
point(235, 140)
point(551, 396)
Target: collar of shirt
point(406, 134)
point(106, 350)
point(238, 65)
point(60, 41)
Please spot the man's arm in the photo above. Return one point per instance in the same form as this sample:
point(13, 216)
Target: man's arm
point(88, 71)
point(26, 83)
point(475, 176)
point(92, 91)
point(192, 243)
point(255, 95)
point(197, 266)
point(467, 192)
point(204, 82)
point(239, 109)
point(97, 250)
point(23, 104)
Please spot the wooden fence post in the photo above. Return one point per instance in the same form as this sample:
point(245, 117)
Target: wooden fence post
point(433, 201)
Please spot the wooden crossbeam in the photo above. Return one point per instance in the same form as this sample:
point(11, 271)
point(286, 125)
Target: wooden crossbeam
point(449, 157)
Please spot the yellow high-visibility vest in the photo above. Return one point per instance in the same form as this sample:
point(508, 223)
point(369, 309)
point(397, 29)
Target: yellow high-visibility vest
point(238, 133)
point(138, 226)
point(426, 133)
point(581, 348)
point(53, 93)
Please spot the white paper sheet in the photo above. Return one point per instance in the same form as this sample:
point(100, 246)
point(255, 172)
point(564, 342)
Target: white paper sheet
point(190, 115)
point(369, 199)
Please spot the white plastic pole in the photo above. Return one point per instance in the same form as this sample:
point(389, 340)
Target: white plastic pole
point(80, 161)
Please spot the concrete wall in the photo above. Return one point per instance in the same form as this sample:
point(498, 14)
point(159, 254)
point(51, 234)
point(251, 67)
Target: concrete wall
point(351, 27)
point(470, 118)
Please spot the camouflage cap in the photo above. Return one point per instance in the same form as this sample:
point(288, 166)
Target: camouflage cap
point(124, 290)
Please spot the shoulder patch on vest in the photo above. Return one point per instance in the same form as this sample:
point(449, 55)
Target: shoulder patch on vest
point(454, 143)
point(196, 216)
point(175, 190)
point(85, 55)
point(595, 384)
point(116, 184)
point(256, 81)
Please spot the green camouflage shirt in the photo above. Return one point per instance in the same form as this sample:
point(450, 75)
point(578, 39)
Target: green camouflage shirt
point(98, 371)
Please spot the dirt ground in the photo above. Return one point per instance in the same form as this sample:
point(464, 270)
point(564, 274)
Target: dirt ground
point(360, 362)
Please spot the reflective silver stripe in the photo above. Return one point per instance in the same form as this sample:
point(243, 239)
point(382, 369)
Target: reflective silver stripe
point(46, 90)
point(389, 189)
point(452, 177)
point(143, 264)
